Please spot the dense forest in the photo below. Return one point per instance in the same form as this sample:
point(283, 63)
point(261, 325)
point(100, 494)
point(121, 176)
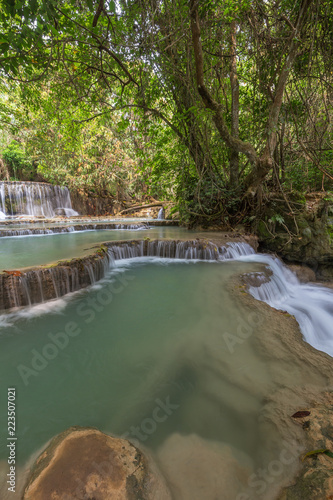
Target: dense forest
point(166, 249)
point(218, 106)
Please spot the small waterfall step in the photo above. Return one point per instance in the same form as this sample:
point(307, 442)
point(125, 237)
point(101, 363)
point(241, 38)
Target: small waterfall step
point(139, 226)
point(33, 286)
point(311, 305)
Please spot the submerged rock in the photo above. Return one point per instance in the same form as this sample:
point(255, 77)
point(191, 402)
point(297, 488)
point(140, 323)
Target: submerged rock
point(85, 464)
point(216, 469)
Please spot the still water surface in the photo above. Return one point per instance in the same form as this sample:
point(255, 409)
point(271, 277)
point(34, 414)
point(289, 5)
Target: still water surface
point(153, 334)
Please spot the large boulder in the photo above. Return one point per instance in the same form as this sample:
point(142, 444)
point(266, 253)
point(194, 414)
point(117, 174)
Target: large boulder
point(85, 464)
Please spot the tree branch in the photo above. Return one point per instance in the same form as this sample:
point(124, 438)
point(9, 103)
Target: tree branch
point(98, 13)
point(232, 142)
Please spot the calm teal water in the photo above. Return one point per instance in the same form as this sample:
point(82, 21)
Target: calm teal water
point(24, 251)
point(128, 353)
point(146, 356)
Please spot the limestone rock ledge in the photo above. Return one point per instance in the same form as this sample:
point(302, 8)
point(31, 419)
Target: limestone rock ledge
point(85, 464)
point(315, 480)
point(39, 284)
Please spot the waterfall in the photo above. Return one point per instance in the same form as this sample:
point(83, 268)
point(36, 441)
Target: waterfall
point(34, 198)
point(71, 229)
point(135, 227)
point(310, 304)
point(2, 198)
point(126, 250)
point(39, 285)
point(29, 232)
point(161, 214)
point(192, 250)
point(177, 249)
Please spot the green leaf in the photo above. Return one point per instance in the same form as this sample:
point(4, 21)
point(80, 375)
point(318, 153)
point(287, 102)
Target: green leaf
point(317, 452)
point(90, 5)
point(112, 6)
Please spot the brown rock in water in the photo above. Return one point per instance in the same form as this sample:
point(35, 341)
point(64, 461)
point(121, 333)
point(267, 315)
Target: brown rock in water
point(303, 273)
point(85, 464)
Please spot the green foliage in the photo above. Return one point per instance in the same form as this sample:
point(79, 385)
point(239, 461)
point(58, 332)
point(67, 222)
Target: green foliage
point(276, 218)
point(109, 104)
point(19, 164)
point(329, 197)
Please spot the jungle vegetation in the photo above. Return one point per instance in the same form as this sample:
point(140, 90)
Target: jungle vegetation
point(213, 104)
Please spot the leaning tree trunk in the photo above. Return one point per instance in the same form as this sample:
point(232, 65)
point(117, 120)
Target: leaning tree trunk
point(261, 165)
point(234, 155)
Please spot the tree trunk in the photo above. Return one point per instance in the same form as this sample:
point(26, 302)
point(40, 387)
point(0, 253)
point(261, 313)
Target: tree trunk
point(261, 169)
point(263, 164)
point(234, 155)
point(232, 142)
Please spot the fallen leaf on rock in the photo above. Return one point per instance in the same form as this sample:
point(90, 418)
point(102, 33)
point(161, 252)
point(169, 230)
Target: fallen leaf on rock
point(14, 273)
point(301, 414)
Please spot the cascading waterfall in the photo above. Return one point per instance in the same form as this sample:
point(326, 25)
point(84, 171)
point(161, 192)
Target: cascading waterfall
point(29, 232)
point(40, 285)
point(34, 198)
point(72, 228)
point(160, 215)
point(134, 227)
point(311, 305)
point(2, 199)
point(126, 250)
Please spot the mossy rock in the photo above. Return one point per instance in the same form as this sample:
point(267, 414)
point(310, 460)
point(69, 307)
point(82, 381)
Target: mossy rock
point(313, 485)
point(262, 230)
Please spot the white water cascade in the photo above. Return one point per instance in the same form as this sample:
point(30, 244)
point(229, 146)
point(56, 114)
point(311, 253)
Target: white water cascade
point(310, 304)
point(34, 198)
point(160, 215)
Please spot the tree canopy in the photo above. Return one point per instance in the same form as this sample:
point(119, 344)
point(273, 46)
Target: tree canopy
point(211, 103)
